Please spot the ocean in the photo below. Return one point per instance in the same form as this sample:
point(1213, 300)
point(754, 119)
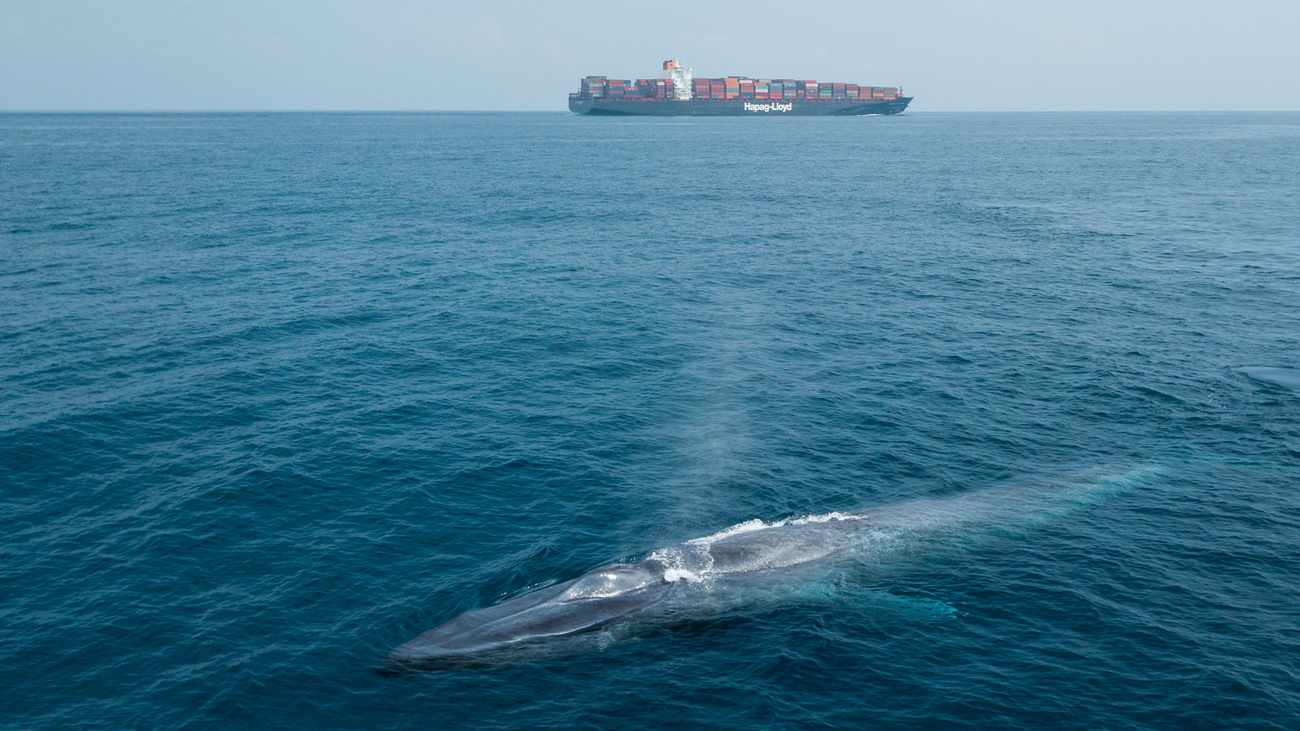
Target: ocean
point(283, 391)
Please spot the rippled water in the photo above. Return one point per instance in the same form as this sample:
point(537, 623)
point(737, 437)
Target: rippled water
point(281, 392)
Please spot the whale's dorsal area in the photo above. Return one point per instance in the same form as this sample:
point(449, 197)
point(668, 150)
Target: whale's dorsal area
point(777, 546)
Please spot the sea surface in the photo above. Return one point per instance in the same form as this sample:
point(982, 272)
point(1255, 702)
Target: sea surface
point(279, 392)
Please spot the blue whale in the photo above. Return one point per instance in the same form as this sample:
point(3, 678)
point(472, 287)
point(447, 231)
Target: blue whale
point(748, 563)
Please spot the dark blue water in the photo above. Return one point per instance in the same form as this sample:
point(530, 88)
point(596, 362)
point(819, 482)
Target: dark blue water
point(281, 392)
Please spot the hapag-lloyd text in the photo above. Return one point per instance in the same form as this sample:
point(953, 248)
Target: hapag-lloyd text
point(751, 107)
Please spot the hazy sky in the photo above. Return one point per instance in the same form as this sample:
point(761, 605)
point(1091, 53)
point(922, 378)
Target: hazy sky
point(405, 54)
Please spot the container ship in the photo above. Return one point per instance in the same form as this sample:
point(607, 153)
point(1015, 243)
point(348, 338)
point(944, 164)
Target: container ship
point(680, 94)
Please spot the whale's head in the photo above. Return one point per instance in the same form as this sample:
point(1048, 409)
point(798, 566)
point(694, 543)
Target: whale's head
point(537, 621)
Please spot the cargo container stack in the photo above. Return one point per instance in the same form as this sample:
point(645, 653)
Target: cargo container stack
point(664, 89)
point(734, 88)
point(594, 86)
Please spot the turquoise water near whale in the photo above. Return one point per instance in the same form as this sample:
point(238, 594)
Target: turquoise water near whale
point(281, 392)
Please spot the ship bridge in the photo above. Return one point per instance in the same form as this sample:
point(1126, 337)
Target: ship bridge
point(680, 73)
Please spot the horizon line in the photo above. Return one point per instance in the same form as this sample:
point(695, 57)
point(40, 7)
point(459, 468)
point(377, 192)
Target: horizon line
point(565, 111)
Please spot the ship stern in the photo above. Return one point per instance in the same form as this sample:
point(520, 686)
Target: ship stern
point(580, 105)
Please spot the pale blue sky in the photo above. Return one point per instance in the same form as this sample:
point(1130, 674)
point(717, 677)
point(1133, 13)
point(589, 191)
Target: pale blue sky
point(409, 55)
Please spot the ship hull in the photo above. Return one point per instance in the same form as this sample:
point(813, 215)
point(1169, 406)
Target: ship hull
point(733, 108)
